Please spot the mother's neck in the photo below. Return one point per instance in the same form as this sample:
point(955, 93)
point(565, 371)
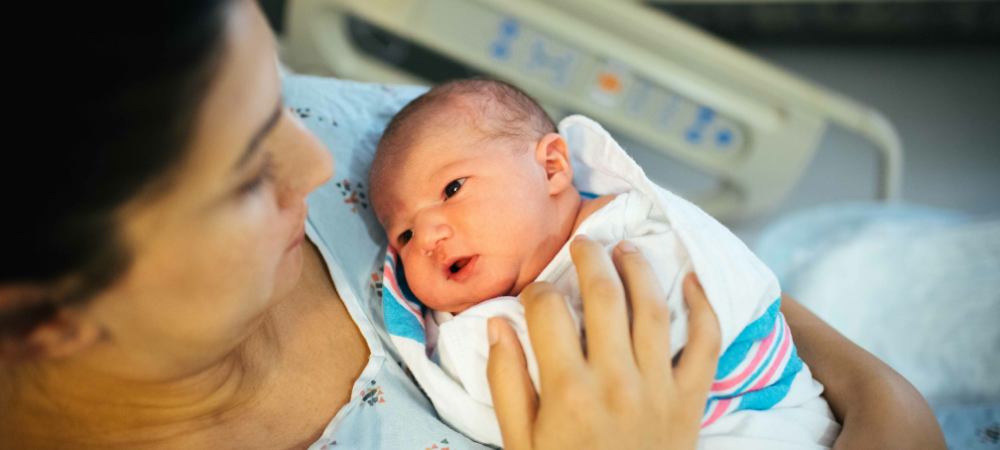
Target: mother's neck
point(66, 402)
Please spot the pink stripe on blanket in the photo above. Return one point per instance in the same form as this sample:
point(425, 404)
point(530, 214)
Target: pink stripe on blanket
point(777, 362)
point(390, 279)
point(765, 345)
point(720, 409)
point(390, 276)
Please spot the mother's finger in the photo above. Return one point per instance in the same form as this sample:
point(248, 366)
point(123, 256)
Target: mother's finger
point(696, 369)
point(510, 386)
point(553, 334)
point(609, 343)
point(650, 315)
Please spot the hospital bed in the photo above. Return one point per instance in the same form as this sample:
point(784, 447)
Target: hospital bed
point(679, 91)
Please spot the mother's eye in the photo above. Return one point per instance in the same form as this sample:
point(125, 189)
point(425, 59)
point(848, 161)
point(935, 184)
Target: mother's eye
point(405, 237)
point(452, 188)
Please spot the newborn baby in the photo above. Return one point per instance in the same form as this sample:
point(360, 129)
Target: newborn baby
point(480, 194)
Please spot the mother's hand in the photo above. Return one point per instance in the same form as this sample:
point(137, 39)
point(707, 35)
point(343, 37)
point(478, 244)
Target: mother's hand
point(625, 393)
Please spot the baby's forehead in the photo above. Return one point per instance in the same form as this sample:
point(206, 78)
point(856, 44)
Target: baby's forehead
point(453, 116)
point(455, 129)
point(435, 158)
point(444, 151)
point(458, 130)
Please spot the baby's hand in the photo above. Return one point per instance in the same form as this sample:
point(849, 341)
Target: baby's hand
point(625, 393)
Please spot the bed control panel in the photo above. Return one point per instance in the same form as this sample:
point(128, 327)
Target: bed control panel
point(608, 84)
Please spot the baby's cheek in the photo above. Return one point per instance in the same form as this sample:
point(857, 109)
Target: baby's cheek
point(431, 291)
point(417, 277)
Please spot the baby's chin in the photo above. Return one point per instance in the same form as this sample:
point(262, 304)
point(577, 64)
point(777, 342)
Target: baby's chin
point(459, 304)
point(455, 308)
point(459, 300)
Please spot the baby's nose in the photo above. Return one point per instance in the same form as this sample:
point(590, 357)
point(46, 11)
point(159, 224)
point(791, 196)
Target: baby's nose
point(431, 235)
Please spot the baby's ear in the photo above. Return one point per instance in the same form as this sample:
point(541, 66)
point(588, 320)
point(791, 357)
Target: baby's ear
point(552, 154)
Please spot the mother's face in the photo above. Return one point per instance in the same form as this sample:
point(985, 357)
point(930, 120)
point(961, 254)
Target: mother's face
point(223, 244)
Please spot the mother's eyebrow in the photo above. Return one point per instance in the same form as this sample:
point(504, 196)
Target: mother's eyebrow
point(260, 134)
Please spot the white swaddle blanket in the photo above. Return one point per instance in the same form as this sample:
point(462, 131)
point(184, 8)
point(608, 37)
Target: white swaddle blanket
point(763, 395)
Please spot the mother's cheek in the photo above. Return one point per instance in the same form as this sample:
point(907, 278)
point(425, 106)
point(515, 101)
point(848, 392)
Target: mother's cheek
point(250, 249)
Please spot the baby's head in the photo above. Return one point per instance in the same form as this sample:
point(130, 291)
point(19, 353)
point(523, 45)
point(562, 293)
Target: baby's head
point(474, 188)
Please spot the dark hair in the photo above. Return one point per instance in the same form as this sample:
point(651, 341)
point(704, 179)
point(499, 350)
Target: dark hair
point(511, 114)
point(125, 81)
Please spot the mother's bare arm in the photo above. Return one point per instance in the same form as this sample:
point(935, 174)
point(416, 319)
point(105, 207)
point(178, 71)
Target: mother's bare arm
point(878, 407)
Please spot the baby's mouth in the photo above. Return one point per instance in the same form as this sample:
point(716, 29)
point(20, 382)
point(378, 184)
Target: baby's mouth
point(462, 268)
point(458, 265)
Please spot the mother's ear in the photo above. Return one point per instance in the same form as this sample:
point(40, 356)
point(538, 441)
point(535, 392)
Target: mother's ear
point(32, 327)
point(551, 153)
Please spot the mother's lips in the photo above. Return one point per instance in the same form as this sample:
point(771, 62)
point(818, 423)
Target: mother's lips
point(298, 239)
point(301, 235)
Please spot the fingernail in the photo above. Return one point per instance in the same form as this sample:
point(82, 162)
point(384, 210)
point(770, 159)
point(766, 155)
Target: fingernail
point(491, 332)
point(627, 247)
point(581, 237)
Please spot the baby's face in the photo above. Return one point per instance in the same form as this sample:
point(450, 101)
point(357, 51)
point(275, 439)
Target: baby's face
point(467, 216)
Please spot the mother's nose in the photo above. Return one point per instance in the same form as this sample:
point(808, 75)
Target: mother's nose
point(305, 161)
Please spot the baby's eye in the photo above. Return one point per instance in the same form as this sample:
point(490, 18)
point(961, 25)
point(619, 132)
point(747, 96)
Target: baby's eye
point(405, 237)
point(453, 187)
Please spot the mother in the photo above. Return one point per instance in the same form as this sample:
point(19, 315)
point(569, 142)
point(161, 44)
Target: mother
point(159, 291)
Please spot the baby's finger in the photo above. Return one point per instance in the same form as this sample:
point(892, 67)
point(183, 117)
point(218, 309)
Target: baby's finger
point(510, 385)
point(553, 334)
point(609, 343)
point(650, 315)
point(697, 366)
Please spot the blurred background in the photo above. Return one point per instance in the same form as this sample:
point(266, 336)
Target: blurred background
point(910, 271)
point(931, 67)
